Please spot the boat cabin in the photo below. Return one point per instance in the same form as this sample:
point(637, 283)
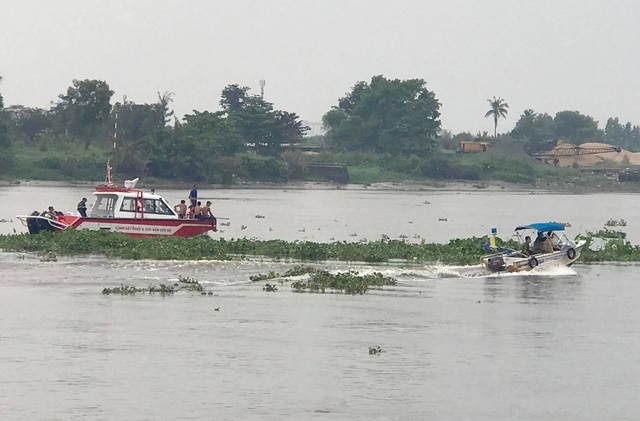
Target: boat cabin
point(117, 202)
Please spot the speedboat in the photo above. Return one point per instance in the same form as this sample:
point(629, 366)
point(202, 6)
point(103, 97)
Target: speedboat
point(126, 210)
point(560, 250)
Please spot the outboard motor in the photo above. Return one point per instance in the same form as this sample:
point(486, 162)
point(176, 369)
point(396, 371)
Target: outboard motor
point(495, 263)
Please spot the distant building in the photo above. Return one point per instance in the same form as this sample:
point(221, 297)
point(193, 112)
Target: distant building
point(474, 147)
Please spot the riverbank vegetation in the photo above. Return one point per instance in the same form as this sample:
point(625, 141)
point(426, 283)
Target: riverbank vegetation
point(382, 130)
point(612, 247)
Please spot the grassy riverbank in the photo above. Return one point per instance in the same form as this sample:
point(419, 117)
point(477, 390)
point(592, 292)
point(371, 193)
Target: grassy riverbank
point(585, 184)
point(456, 252)
point(504, 167)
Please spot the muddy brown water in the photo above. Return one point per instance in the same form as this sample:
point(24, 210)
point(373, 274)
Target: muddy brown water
point(456, 344)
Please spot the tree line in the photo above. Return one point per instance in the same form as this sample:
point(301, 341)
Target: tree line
point(542, 132)
point(391, 124)
point(246, 136)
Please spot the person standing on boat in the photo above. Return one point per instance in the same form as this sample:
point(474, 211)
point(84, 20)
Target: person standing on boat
point(193, 195)
point(82, 207)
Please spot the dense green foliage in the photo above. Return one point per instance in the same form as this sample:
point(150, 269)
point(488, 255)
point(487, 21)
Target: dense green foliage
point(84, 110)
point(614, 247)
point(384, 130)
point(242, 141)
point(186, 284)
point(506, 161)
point(542, 132)
point(623, 135)
point(457, 251)
point(386, 116)
point(537, 130)
point(350, 282)
point(6, 154)
point(319, 280)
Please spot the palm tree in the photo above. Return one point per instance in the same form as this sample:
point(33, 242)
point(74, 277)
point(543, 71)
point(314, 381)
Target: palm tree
point(498, 109)
point(163, 101)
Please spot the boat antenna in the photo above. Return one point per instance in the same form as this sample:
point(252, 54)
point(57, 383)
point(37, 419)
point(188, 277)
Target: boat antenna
point(116, 109)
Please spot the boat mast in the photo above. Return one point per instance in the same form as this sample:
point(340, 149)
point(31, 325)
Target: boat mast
point(111, 165)
point(116, 108)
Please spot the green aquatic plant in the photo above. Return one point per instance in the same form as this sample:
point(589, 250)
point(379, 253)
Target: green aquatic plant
point(269, 287)
point(613, 247)
point(262, 277)
point(345, 282)
point(189, 284)
point(48, 256)
point(161, 289)
point(123, 290)
point(375, 350)
point(204, 248)
point(295, 271)
point(300, 270)
point(455, 252)
point(608, 234)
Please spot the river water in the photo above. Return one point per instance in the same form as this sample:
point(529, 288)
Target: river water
point(456, 345)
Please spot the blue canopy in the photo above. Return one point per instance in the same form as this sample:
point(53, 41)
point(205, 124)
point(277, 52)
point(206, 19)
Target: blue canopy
point(542, 226)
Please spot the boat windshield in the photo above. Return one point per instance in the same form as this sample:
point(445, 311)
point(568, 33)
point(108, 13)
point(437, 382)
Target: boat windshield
point(156, 206)
point(104, 206)
point(151, 206)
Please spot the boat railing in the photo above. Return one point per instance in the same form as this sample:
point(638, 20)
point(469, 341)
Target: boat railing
point(54, 223)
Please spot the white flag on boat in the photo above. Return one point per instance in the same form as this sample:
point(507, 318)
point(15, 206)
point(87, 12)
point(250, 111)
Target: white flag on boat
point(131, 184)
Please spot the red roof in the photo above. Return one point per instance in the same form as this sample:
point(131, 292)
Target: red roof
point(115, 189)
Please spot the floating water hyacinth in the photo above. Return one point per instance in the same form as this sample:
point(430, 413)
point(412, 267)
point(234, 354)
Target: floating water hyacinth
point(456, 252)
point(345, 282)
point(187, 284)
point(375, 350)
point(130, 290)
point(269, 288)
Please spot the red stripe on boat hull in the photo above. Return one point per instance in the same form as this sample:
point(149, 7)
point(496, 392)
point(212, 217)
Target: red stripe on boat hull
point(137, 227)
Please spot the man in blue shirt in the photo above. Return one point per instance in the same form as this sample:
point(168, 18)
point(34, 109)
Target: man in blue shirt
point(193, 195)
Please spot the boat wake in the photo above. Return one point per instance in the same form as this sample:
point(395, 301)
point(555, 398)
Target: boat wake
point(477, 271)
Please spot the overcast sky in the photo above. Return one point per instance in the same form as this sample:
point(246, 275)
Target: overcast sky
point(548, 55)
